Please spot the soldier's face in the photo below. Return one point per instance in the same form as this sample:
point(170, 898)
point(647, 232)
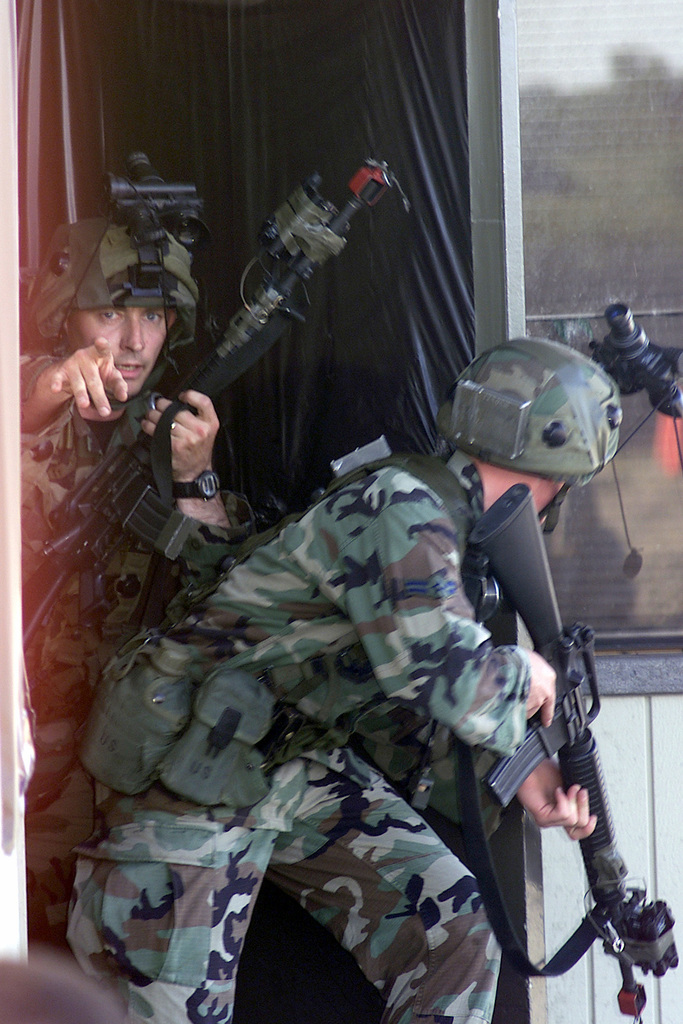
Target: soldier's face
point(135, 334)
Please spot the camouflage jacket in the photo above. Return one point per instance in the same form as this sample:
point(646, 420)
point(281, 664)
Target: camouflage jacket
point(65, 656)
point(375, 567)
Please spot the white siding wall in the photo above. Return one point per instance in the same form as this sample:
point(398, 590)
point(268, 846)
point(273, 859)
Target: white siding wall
point(640, 740)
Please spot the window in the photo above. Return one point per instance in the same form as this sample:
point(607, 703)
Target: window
point(601, 109)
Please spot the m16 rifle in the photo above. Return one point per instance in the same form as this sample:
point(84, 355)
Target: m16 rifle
point(635, 931)
point(131, 489)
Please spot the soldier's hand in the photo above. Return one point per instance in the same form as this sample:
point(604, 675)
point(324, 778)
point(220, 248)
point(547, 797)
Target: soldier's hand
point(543, 797)
point(90, 376)
point(541, 695)
point(192, 435)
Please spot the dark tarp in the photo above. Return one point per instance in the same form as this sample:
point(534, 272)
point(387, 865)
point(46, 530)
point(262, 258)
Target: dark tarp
point(245, 99)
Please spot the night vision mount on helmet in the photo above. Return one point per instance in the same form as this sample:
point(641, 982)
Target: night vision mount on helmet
point(139, 254)
point(535, 406)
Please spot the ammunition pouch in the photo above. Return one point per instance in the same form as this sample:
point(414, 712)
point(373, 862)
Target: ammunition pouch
point(216, 759)
point(141, 705)
point(211, 741)
point(152, 720)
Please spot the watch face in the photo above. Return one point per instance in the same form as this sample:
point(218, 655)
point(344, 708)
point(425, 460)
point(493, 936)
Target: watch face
point(208, 484)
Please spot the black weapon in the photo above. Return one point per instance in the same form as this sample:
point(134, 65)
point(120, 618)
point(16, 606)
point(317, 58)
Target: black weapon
point(636, 363)
point(131, 488)
point(637, 932)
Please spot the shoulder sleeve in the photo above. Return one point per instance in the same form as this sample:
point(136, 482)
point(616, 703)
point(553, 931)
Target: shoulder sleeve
point(389, 554)
point(30, 369)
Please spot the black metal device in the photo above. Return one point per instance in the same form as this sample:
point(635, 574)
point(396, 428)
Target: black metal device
point(636, 363)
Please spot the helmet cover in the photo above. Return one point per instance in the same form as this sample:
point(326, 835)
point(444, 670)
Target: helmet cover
point(535, 406)
point(88, 266)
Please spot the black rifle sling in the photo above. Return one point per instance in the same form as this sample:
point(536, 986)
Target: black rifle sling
point(232, 357)
point(160, 453)
point(479, 854)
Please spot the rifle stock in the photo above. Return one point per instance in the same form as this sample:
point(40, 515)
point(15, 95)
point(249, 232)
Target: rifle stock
point(509, 535)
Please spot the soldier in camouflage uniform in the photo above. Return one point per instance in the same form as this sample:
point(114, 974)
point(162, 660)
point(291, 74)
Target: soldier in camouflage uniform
point(355, 619)
point(88, 395)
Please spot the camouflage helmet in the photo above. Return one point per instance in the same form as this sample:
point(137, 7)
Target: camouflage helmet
point(91, 264)
point(535, 406)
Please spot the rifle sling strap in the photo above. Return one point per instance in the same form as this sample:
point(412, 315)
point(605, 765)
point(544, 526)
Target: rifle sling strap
point(479, 853)
point(161, 452)
point(232, 357)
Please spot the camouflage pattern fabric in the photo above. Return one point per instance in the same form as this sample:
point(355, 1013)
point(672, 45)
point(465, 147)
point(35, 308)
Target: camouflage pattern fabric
point(66, 656)
point(357, 857)
point(383, 556)
point(379, 557)
point(85, 267)
point(536, 406)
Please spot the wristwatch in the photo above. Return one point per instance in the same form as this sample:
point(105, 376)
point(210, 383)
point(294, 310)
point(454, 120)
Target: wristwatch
point(206, 486)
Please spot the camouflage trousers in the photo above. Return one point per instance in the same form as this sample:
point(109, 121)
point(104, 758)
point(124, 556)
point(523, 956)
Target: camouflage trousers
point(359, 859)
point(51, 833)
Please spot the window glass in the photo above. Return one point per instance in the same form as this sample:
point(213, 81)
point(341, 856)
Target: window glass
point(601, 103)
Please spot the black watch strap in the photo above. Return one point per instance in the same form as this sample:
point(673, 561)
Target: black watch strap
point(206, 486)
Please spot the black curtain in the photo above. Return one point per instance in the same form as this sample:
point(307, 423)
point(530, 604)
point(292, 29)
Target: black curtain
point(246, 99)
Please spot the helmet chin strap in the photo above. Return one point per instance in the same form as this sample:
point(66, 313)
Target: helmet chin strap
point(550, 514)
